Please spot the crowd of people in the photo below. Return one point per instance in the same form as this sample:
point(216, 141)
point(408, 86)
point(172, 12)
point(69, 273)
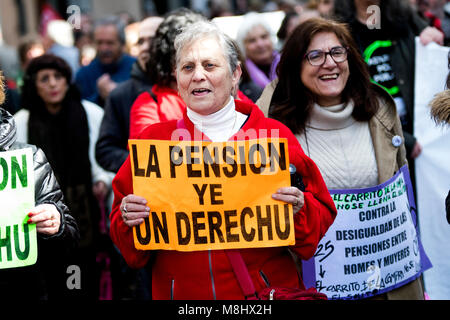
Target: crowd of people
point(315, 82)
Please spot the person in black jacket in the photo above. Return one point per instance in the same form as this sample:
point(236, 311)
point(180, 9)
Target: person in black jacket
point(384, 32)
point(387, 45)
point(57, 230)
point(12, 100)
point(246, 85)
point(447, 206)
point(111, 148)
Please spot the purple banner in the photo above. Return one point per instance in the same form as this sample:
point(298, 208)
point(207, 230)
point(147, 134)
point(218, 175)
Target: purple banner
point(374, 244)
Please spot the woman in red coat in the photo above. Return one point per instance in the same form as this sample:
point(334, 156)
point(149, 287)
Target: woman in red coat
point(207, 71)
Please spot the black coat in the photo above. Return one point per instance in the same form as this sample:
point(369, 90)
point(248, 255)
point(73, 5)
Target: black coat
point(403, 64)
point(38, 281)
point(111, 148)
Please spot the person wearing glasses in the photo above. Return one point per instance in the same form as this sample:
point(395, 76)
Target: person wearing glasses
point(347, 125)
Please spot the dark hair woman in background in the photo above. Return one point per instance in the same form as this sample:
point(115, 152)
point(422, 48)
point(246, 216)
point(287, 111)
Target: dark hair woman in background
point(55, 119)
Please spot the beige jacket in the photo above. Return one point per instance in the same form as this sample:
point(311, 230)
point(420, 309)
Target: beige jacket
point(384, 126)
point(386, 131)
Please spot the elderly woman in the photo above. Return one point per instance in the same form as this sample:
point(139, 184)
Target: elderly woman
point(207, 71)
point(162, 103)
point(255, 40)
point(57, 231)
point(324, 95)
point(65, 127)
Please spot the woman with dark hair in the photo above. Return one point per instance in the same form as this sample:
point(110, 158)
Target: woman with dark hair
point(247, 89)
point(324, 95)
point(56, 120)
point(57, 231)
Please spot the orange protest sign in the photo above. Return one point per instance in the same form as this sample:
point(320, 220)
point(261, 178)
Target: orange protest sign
point(212, 195)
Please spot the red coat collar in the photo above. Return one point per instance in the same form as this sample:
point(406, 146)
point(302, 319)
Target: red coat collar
point(157, 89)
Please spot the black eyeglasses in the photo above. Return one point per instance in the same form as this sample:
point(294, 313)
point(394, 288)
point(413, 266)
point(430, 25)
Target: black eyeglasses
point(318, 57)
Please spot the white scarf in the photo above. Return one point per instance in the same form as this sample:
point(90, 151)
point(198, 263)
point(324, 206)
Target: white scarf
point(221, 125)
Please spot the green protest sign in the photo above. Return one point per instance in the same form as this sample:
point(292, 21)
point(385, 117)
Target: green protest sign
point(18, 241)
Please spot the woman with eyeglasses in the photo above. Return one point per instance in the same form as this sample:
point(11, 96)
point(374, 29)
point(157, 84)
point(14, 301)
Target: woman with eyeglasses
point(346, 124)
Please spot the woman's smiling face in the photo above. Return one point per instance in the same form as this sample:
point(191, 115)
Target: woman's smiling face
point(326, 81)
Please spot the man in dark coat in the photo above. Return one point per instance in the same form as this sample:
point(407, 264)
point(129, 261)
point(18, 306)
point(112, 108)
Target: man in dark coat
point(111, 149)
point(110, 67)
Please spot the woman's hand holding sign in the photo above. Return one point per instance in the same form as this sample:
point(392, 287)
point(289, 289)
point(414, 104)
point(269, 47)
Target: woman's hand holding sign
point(134, 210)
point(290, 195)
point(46, 217)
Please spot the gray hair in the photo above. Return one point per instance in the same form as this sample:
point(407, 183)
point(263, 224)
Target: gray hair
point(116, 22)
point(207, 29)
point(249, 21)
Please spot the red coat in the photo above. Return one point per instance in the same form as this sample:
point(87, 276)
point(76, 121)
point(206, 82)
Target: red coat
point(145, 111)
point(208, 274)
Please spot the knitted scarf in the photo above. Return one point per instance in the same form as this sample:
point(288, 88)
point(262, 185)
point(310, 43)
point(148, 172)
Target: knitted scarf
point(64, 138)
